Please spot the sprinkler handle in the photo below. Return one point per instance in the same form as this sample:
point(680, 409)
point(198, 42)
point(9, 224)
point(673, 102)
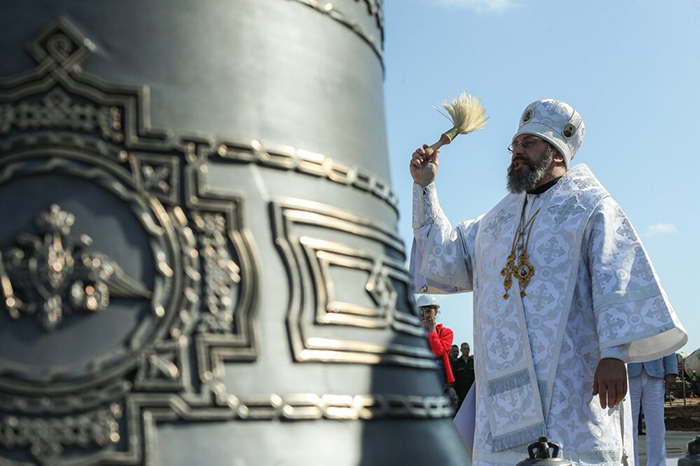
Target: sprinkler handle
point(444, 140)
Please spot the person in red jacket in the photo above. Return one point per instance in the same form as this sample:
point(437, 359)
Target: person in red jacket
point(440, 340)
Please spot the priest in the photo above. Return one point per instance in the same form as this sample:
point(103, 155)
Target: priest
point(564, 296)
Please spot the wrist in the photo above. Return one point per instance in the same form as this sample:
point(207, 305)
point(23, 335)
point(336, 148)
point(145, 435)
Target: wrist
point(613, 361)
point(421, 185)
point(615, 352)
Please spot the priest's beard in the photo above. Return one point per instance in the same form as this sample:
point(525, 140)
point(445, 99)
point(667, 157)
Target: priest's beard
point(534, 172)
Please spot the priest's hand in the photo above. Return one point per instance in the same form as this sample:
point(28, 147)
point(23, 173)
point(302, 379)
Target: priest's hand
point(610, 382)
point(424, 171)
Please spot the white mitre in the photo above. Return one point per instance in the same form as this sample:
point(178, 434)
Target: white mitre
point(556, 122)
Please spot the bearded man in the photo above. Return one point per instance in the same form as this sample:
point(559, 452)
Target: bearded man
point(564, 296)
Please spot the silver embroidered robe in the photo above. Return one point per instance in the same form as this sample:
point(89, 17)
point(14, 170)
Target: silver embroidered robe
point(595, 294)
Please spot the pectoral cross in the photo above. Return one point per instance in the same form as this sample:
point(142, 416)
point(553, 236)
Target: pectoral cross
point(507, 274)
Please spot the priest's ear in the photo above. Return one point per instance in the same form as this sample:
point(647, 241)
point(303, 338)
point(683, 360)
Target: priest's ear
point(559, 158)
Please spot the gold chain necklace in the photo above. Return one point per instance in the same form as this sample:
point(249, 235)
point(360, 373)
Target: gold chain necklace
point(524, 270)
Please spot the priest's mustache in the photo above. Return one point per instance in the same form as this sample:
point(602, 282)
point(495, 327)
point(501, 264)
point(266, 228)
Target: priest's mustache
point(522, 159)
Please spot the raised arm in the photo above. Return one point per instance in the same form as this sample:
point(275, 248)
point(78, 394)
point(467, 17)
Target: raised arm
point(440, 255)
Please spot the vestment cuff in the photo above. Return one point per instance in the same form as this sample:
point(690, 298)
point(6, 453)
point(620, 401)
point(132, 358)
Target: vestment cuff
point(425, 204)
point(616, 352)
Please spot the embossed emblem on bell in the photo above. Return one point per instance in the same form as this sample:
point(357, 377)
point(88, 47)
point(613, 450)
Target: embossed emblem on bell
point(55, 277)
point(199, 259)
point(692, 457)
point(539, 453)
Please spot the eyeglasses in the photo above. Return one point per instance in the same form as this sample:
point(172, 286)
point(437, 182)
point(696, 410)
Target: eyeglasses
point(527, 143)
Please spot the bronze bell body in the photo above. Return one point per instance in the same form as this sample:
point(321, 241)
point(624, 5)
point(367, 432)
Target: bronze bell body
point(199, 259)
point(539, 453)
point(692, 458)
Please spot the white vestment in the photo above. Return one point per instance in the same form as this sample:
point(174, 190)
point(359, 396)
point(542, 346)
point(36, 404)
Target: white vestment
point(594, 294)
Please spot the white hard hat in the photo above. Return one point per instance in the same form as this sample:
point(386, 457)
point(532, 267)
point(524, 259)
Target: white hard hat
point(427, 300)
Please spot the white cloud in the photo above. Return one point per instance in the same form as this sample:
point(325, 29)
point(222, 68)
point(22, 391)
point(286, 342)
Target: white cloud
point(479, 5)
point(661, 229)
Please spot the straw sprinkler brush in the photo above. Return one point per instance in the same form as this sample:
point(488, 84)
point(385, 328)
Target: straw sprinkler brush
point(466, 114)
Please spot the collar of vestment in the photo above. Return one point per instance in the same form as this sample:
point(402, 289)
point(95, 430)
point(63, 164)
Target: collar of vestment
point(519, 373)
point(545, 187)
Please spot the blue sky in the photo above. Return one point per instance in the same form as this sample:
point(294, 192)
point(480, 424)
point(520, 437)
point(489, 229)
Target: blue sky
point(631, 69)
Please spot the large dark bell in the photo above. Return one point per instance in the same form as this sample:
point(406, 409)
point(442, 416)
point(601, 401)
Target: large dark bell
point(692, 458)
point(539, 454)
point(199, 262)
